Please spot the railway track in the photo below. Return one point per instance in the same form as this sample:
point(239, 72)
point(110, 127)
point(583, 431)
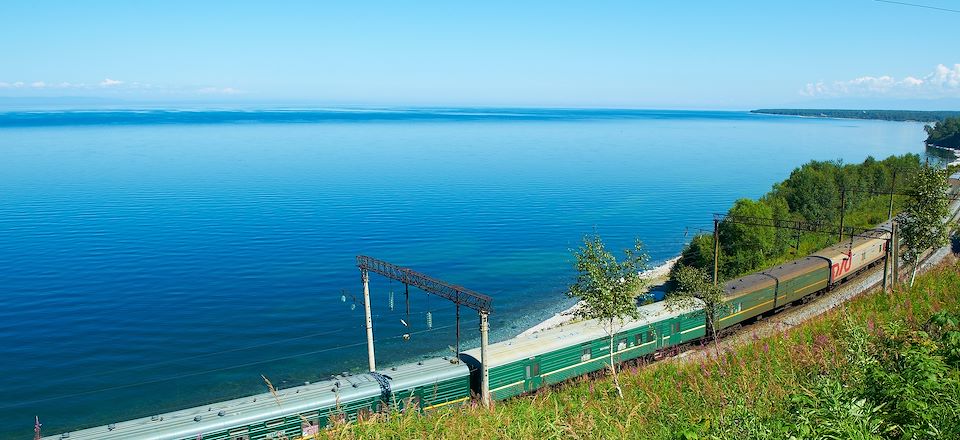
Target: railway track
point(795, 315)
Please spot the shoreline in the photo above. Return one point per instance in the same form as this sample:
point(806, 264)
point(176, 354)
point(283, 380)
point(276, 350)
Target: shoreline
point(656, 277)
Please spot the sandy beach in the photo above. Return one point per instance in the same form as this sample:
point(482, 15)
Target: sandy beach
point(655, 277)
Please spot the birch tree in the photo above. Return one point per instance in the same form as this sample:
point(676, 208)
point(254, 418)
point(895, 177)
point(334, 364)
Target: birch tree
point(923, 223)
point(608, 288)
point(695, 288)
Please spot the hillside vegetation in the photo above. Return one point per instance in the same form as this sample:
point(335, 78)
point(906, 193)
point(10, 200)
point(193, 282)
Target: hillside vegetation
point(944, 133)
point(886, 115)
point(883, 366)
point(811, 194)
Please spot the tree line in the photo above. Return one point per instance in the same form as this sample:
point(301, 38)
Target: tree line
point(885, 115)
point(945, 133)
point(816, 192)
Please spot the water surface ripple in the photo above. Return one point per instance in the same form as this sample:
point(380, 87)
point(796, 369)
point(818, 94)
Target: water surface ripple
point(160, 259)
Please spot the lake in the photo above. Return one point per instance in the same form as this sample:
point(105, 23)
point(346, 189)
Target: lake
point(153, 260)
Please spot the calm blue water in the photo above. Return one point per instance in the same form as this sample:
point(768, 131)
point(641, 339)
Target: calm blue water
point(155, 260)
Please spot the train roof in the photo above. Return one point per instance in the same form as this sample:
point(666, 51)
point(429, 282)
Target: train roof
point(522, 347)
point(746, 284)
point(425, 372)
point(215, 417)
point(797, 267)
point(238, 413)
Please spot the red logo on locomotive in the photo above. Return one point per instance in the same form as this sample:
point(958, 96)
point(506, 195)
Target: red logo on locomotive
point(842, 268)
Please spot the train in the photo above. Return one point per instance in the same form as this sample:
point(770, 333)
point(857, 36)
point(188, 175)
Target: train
point(516, 366)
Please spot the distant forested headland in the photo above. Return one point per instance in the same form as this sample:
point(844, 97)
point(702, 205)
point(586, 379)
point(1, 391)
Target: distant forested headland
point(886, 115)
point(945, 133)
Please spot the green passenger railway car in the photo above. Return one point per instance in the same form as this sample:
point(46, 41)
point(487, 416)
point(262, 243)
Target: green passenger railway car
point(300, 412)
point(525, 363)
point(516, 366)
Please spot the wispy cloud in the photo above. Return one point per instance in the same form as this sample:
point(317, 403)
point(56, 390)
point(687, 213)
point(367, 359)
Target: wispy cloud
point(943, 82)
point(107, 82)
point(115, 86)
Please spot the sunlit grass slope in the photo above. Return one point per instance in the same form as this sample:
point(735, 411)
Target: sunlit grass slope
point(878, 367)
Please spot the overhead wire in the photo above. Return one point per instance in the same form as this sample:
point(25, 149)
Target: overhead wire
point(918, 5)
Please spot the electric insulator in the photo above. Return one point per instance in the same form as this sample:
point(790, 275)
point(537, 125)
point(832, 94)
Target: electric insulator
point(391, 301)
point(353, 306)
point(429, 320)
point(343, 298)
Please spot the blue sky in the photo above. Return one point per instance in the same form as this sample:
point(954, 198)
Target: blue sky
point(737, 55)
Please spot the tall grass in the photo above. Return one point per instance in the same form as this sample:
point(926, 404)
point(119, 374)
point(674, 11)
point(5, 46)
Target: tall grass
point(825, 378)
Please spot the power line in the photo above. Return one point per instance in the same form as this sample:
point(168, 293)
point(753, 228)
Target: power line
point(918, 6)
point(796, 225)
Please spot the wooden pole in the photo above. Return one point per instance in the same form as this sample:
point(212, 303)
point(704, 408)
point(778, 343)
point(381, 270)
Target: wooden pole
point(798, 242)
point(892, 187)
point(843, 208)
point(895, 264)
point(886, 263)
point(456, 355)
point(484, 371)
point(716, 249)
point(366, 308)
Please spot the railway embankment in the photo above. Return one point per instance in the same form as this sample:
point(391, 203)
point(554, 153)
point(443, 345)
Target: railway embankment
point(877, 365)
point(870, 281)
point(855, 362)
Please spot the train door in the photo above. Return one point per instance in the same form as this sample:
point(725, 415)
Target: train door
point(667, 336)
point(532, 379)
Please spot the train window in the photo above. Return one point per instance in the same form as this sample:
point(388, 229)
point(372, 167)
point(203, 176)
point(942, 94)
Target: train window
point(676, 327)
point(528, 373)
point(738, 308)
point(536, 368)
point(638, 339)
point(240, 434)
point(585, 354)
point(274, 423)
point(651, 335)
point(310, 424)
point(622, 345)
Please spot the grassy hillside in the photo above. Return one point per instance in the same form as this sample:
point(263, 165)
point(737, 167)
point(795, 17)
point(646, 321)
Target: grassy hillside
point(878, 367)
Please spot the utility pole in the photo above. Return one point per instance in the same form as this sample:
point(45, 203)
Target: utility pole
point(365, 276)
point(886, 262)
point(798, 243)
point(457, 354)
point(843, 208)
point(716, 249)
point(485, 371)
point(893, 185)
point(896, 252)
